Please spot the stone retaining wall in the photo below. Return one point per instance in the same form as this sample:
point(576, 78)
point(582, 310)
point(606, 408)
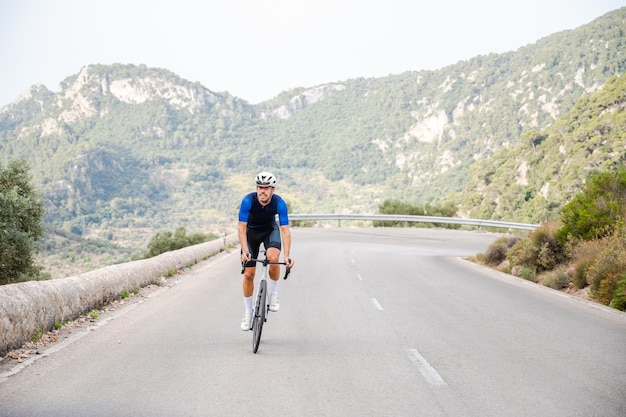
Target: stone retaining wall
point(26, 307)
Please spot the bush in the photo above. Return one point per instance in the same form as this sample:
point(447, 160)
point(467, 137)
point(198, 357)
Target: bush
point(601, 264)
point(583, 256)
point(604, 273)
point(619, 297)
point(496, 253)
point(598, 211)
point(302, 223)
point(529, 274)
point(550, 251)
point(541, 250)
point(404, 208)
point(522, 254)
point(166, 241)
point(580, 274)
point(556, 279)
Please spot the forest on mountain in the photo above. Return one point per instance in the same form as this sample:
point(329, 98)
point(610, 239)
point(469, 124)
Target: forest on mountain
point(533, 180)
point(122, 152)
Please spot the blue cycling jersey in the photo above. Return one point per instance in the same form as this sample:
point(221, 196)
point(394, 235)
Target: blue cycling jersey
point(257, 216)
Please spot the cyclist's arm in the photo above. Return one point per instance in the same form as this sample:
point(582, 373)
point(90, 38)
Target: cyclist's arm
point(243, 240)
point(286, 238)
point(285, 232)
point(244, 211)
point(283, 216)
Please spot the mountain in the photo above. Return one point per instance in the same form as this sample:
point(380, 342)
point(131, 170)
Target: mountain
point(532, 180)
point(121, 151)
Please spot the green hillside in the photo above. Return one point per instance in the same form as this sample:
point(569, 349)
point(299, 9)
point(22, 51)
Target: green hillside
point(123, 151)
point(533, 180)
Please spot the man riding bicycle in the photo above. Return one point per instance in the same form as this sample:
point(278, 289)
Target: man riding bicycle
point(257, 224)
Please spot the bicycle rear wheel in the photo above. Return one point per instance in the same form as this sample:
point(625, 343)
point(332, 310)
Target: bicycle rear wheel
point(259, 315)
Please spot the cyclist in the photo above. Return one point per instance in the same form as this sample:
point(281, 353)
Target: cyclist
point(257, 224)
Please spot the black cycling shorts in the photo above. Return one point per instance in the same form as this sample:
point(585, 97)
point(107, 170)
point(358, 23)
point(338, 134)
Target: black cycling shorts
point(270, 237)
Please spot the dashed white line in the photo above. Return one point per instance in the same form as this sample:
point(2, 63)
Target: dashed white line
point(359, 276)
point(428, 372)
point(377, 305)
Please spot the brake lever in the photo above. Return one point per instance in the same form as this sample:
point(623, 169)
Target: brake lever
point(287, 270)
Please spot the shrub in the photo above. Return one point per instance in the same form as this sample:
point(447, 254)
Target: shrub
point(541, 250)
point(556, 279)
point(550, 251)
point(496, 253)
point(601, 264)
point(523, 253)
point(401, 207)
point(583, 256)
point(529, 273)
point(599, 210)
point(166, 241)
point(38, 333)
point(580, 274)
point(302, 223)
point(479, 258)
point(619, 297)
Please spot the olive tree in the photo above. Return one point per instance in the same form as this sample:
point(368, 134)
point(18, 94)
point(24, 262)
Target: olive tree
point(21, 222)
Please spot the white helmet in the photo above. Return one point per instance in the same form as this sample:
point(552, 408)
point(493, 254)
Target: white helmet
point(266, 179)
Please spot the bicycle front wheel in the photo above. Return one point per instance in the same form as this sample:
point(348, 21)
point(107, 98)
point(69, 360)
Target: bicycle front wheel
point(259, 315)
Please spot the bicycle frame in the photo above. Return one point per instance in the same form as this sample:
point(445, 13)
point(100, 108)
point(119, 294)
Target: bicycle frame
point(261, 307)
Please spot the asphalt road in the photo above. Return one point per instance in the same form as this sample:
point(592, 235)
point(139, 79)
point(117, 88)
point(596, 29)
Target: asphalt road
point(373, 322)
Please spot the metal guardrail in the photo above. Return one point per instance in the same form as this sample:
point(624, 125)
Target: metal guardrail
point(408, 218)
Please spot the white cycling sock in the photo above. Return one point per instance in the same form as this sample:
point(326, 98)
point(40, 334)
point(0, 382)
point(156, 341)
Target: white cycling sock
point(273, 286)
point(247, 301)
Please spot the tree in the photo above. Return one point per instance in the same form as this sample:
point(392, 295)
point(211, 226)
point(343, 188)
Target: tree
point(21, 222)
point(532, 138)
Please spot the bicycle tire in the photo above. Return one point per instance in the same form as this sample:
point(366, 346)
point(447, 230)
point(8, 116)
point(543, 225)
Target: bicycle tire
point(259, 316)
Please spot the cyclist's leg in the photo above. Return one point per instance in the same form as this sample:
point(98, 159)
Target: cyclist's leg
point(248, 281)
point(248, 290)
point(273, 246)
point(254, 243)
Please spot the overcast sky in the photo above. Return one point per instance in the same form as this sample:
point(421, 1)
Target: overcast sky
point(256, 49)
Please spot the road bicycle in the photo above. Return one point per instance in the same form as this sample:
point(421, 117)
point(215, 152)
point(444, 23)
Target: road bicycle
point(262, 304)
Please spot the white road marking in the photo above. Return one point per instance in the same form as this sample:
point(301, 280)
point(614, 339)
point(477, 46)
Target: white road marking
point(428, 372)
point(359, 276)
point(377, 305)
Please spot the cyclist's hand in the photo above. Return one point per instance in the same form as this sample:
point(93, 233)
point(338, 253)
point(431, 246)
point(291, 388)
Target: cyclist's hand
point(290, 263)
point(245, 257)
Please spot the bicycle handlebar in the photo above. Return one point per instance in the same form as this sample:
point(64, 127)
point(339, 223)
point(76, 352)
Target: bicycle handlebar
point(266, 262)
